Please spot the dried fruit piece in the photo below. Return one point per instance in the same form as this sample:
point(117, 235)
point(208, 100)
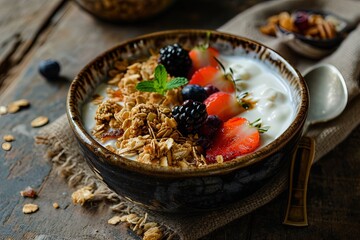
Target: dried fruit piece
point(6, 146)
point(30, 208)
point(39, 121)
point(8, 138)
point(28, 192)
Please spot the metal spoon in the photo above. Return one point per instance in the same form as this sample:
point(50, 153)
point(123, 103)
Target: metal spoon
point(328, 99)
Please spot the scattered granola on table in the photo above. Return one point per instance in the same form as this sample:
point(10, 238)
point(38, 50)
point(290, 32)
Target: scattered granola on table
point(28, 192)
point(8, 138)
point(6, 146)
point(30, 208)
point(39, 121)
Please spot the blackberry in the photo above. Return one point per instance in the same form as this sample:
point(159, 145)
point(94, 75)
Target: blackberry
point(190, 116)
point(194, 92)
point(176, 60)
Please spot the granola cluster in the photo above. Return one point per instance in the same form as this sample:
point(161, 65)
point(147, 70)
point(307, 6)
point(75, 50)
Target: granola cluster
point(140, 123)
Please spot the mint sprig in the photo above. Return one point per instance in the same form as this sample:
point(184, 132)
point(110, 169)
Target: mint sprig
point(160, 84)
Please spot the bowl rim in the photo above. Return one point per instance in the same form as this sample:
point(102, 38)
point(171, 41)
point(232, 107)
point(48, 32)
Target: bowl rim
point(174, 172)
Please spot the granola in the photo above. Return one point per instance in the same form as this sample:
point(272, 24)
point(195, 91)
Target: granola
point(140, 123)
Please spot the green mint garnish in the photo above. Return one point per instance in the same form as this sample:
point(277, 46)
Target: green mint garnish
point(160, 83)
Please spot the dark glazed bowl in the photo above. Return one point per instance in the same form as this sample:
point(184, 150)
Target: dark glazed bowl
point(174, 189)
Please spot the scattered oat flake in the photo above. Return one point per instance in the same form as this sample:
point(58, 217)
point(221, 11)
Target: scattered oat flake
point(114, 220)
point(28, 192)
point(22, 103)
point(13, 108)
point(8, 138)
point(56, 205)
point(30, 208)
point(3, 110)
point(153, 233)
point(39, 121)
point(82, 195)
point(6, 146)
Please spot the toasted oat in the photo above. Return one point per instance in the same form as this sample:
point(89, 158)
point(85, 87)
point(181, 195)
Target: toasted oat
point(3, 110)
point(55, 205)
point(6, 146)
point(13, 108)
point(9, 138)
point(28, 192)
point(153, 233)
point(22, 103)
point(82, 195)
point(114, 220)
point(30, 208)
point(39, 121)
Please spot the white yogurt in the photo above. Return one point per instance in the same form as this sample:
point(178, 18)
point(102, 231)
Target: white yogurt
point(272, 95)
point(274, 104)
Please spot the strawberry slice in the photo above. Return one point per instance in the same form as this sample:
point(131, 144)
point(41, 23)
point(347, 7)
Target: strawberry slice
point(224, 105)
point(203, 57)
point(235, 138)
point(212, 76)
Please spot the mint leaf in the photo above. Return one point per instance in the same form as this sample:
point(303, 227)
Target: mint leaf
point(160, 83)
point(146, 86)
point(176, 82)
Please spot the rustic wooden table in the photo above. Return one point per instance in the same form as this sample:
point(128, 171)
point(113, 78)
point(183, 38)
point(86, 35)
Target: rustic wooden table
point(32, 30)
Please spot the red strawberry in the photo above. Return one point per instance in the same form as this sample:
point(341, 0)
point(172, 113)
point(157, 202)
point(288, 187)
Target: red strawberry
point(224, 105)
point(213, 76)
point(203, 57)
point(236, 137)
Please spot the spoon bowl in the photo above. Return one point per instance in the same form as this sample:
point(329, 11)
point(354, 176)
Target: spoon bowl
point(328, 93)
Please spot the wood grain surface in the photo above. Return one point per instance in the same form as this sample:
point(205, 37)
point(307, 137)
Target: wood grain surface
point(33, 30)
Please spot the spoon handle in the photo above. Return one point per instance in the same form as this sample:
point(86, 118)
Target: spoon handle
point(296, 213)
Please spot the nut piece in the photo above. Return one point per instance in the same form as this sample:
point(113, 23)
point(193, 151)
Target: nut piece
point(30, 208)
point(3, 110)
point(39, 121)
point(56, 205)
point(114, 220)
point(28, 192)
point(9, 138)
point(6, 146)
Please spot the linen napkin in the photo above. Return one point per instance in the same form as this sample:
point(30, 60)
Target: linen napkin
point(63, 152)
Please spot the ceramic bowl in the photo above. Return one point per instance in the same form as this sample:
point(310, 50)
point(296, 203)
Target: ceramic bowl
point(313, 47)
point(173, 189)
point(124, 10)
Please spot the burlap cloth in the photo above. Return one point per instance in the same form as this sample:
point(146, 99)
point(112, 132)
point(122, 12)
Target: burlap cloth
point(63, 152)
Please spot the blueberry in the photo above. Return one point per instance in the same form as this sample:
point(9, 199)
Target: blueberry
point(194, 92)
point(210, 127)
point(210, 89)
point(49, 69)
